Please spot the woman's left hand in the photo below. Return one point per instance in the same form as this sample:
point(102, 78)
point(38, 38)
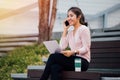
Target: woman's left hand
point(67, 53)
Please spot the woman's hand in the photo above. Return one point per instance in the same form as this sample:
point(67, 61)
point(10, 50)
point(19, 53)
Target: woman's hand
point(65, 29)
point(64, 26)
point(67, 53)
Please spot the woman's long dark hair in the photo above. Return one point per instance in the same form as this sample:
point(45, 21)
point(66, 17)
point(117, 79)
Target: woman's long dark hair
point(78, 13)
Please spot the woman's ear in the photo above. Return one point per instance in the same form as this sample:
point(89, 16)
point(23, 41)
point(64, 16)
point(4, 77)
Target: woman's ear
point(79, 17)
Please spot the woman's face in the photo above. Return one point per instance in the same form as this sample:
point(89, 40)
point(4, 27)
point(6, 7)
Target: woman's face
point(72, 18)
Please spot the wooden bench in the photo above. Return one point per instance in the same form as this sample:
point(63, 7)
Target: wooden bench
point(105, 62)
point(35, 73)
point(105, 58)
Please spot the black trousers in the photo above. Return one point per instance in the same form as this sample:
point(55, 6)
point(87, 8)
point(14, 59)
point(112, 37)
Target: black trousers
point(58, 62)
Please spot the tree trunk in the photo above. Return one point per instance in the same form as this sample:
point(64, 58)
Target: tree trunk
point(45, 29)
point(53, 17)
point(43, 19)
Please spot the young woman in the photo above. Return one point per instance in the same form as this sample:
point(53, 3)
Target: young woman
point(79, 41)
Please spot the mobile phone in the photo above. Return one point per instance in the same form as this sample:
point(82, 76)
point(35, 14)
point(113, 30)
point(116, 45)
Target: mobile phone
point(66, 23)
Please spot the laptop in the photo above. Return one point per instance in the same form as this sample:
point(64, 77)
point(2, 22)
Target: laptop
point(52, 46)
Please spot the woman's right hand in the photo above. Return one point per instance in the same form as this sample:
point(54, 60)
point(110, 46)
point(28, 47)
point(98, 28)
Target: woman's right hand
point(64, 26)
point(65, 29)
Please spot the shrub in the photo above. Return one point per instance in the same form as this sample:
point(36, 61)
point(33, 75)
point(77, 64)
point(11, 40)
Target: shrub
point(17, 60)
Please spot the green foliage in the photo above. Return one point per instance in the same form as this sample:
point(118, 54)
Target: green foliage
point(17, 60)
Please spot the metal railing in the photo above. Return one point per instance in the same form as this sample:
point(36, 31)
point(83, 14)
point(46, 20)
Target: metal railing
point(104, 15)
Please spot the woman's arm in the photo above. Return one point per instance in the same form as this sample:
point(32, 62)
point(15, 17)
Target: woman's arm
point(63, 42)
point(86, 41)
point(64, 37)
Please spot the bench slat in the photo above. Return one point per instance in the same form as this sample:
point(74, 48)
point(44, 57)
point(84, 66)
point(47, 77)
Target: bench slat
point(81, 75)
point(105, 65)
point(106, 61)
point(105, 50)
point(105, 44)
point(105, 55)
point(67, 75)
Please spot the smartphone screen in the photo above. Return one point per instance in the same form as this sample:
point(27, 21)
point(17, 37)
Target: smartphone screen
point(66, 23)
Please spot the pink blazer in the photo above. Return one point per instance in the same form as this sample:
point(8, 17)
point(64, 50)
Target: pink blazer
point(81, 41)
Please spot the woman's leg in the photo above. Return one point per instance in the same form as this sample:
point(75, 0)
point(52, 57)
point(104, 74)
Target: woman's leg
point(66, 63)
point(85, 64)
point(56, 71)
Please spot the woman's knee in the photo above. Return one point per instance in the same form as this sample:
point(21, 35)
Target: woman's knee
point(55, 55)
point(52, 58)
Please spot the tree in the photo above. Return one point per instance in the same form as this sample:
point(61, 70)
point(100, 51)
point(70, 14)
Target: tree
point(47, 15)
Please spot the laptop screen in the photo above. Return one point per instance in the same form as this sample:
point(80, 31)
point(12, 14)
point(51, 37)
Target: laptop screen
point(52, 46)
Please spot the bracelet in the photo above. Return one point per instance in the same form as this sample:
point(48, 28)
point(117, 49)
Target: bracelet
point(75, 52)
